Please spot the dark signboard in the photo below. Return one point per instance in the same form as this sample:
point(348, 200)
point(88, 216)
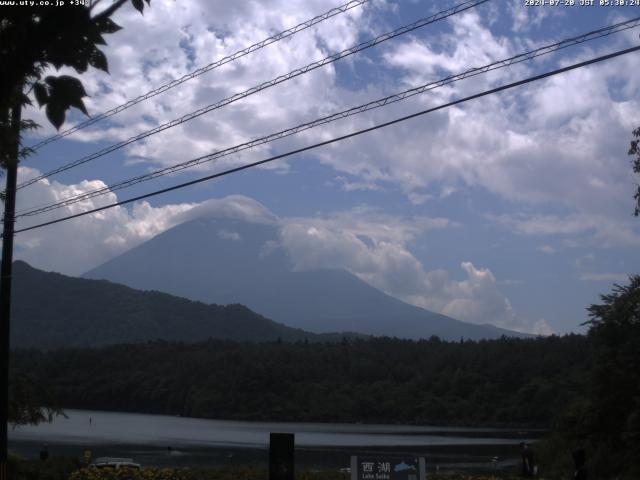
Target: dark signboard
point(281, 461)
point(388, 468)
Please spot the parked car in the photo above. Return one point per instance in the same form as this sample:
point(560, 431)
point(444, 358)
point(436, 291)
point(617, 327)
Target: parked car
point(115, 463)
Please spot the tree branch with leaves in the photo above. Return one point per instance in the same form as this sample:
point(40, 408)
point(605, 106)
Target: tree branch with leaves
point(33, 39)
point(36, 38)
point(635, 150)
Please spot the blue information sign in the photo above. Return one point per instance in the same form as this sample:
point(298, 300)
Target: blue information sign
point(388, 468)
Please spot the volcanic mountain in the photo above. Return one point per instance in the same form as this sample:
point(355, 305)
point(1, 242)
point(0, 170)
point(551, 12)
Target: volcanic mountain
point(235, 261)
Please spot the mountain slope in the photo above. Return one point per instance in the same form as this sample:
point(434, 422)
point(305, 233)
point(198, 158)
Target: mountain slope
point(224, 261)
point(52, 310)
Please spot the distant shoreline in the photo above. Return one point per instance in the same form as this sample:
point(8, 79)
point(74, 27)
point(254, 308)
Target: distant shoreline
point(216, 444)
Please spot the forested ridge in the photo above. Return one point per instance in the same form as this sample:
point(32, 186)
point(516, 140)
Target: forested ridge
point(76, 312)
point(508, 381)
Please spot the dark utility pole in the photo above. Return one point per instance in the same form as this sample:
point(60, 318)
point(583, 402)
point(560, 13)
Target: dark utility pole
point(5, 280)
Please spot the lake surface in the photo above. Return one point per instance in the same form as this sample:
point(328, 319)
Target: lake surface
point(202, 442)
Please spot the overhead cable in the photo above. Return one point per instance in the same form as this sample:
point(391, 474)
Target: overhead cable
point(547, 49)
point(207, 68)
point(280, 79)
point(338, 139)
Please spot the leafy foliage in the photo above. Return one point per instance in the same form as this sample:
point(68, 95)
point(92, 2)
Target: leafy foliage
point(40, 36)
point(498, 382)
point(634, 149)
point(26, 400)
point(60, 469)
point(56, 468)
point(607, 418)
point(614, 421)
point(154, 473)
point(59, 94)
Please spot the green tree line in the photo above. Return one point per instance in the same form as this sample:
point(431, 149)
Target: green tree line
point(508, 381)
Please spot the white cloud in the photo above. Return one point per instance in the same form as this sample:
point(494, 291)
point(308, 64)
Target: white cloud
point(74, 246)
point(526, 19)
point(350, 186)
point(419, 198)
point(181, 36)
point(620, 278)
point(476, 299)
point(369, 250)
point(582, 228)
point(470, 44)
point(374, 247)
point(226, 235)
point(549, 144)
point(585, 261)
point(586, 266)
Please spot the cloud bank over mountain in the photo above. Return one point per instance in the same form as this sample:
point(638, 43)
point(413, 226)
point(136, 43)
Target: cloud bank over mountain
point(372, 245)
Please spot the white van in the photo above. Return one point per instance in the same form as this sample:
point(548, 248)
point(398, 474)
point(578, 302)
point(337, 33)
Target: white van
point(115, 463)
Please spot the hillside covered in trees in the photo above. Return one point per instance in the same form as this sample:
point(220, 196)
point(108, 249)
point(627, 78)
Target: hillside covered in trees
point(521, 382)
point(76, 312)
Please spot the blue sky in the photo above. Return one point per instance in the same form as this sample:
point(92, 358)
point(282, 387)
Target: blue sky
point(515, 209)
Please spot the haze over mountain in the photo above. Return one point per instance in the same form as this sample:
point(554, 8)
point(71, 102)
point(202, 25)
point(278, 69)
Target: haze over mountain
point(52, 310)
point(232, 260)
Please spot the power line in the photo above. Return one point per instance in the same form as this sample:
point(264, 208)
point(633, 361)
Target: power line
point(340, 138)
point(207, 68)
point(590, 36)
point(282, 78)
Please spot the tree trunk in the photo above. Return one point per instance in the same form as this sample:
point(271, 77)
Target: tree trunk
point(5, 282)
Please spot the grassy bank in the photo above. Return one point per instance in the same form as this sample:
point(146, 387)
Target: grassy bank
point(70, 469)
point(60, 468)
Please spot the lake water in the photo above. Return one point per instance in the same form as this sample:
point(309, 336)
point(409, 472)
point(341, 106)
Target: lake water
point(201, 442)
